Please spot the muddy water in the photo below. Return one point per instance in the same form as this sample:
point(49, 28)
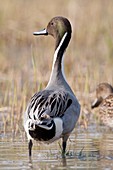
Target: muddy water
point(87, 149)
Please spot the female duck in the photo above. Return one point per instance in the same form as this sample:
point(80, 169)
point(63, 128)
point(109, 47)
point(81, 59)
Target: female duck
point(53, 112)
point(104, 99)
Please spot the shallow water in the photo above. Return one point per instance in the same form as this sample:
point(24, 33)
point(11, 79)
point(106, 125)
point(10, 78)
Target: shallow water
point(87, 149)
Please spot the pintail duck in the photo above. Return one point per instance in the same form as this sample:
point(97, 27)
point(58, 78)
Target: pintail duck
point(104, 99)
point(53, 112)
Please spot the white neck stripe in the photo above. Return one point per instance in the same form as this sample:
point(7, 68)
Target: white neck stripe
point(55, 57)
point(58, 48)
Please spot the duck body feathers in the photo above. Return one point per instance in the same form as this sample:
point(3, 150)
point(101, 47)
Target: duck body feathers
point(106, 111)
point(53, 103)
point(104, 101)
point(50, 111)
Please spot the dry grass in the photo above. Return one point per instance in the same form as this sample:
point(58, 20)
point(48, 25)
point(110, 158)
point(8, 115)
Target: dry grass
point(25, 61)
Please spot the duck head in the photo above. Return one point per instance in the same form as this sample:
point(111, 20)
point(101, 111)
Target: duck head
point(102, 91)
point(57, 27)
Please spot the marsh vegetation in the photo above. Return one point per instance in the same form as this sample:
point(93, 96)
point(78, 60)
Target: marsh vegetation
point(26, 61)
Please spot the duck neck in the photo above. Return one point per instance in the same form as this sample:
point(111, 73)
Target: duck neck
point(58, 65)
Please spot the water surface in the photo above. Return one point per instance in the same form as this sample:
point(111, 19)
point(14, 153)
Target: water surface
point(90, 148)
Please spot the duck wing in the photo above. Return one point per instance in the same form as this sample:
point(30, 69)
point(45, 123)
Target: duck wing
point(48, 102)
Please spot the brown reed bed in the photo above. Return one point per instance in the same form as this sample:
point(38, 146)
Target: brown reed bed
point(25, 61)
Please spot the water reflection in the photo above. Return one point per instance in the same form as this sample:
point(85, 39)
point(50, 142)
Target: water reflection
point(87, 149)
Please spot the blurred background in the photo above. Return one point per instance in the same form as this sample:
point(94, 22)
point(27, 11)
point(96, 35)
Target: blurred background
point(26, 61)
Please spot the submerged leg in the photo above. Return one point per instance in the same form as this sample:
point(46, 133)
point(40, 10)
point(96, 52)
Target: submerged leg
point(30, 144)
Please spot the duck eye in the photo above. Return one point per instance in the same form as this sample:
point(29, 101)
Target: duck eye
point(52, 23)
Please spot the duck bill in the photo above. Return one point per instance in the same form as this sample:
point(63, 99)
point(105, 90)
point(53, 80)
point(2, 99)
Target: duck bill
point(96, 103)
point(42, 32)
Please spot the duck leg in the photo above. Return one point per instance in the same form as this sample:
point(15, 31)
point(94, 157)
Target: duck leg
point(63, 147)
point(64, 143)
point(30, 144)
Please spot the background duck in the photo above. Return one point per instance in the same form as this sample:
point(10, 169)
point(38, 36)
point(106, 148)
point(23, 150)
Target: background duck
point(53, 112)
point(104, 100)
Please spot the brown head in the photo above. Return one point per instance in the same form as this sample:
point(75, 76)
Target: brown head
point(103, 90)
point(57, 27)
